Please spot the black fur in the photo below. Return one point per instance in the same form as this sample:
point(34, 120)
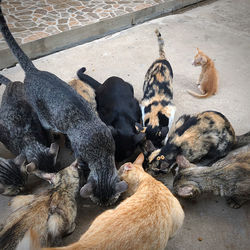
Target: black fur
point(61, 109)
point(117, 107)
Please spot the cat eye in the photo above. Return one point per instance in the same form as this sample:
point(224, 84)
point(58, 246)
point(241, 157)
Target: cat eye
point(160, 157)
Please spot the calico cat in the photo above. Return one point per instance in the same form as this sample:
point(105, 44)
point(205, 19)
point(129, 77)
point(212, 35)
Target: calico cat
point(12, 175)
point(203, 137)
point(120, 110)
point(145, 220)
point(229, 177)
point(157, 105)
point(21, 131)
point(61, 110)
point(51, 214)
point(84, 90)
point(208, 80)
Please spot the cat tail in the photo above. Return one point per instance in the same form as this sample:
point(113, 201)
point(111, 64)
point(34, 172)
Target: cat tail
point(22, 58)
point(161, 44)
point(242, 140)
point(198, 95)
point(88, 79)
point(30, 241)
point(4, 80)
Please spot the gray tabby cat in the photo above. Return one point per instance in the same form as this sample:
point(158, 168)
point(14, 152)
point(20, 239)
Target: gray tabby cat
point(228, 177)
point(62, 110)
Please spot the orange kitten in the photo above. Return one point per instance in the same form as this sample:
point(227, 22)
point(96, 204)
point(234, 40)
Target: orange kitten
point(145, 220)
point(208, 80)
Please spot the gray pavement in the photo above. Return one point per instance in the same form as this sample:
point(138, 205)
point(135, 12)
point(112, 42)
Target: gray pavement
point(222, 30)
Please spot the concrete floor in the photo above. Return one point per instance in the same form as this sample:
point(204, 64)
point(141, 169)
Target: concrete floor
point(222, 30)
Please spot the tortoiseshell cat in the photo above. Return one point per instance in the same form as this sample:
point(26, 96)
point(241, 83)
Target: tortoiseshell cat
point(157, 103)
point(229, 177)
point(145, 220)
point(51, 214)
point(208, 80)
point(203, 137)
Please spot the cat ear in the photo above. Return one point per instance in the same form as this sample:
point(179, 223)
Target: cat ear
point(128, 166)
point(31, 167)
point(182, 161)
point(20, 160)
point(54, 149)
point(185, 191)
point(74, 164)
point(86, 190)
point(139, 128)
point(140, 159)
point(121, 187)
point(1, 188)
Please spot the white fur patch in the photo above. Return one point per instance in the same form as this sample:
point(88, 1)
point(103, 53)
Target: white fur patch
point(142, 114)
point(170, 123)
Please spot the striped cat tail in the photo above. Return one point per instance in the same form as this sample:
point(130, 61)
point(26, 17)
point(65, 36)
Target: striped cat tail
point(22, 58)
point(161, 44)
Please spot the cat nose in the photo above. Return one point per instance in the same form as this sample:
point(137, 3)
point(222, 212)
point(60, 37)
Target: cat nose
point(192, 62)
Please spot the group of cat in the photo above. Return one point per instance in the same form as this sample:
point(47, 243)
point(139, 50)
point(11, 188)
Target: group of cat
point(104, 125)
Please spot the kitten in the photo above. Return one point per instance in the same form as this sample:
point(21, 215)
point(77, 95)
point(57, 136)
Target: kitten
point(120, 110)
point(203, 137)
point(84, 90)
point(61, 110)
point(21, 131)
point(145, 220)
point(12, 175)
point(208, 80)
point(229, 177)
point(51, 214)
point(157, 105)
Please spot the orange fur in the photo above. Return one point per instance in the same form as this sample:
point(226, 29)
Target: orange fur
point(208, 80)
point(145, 220)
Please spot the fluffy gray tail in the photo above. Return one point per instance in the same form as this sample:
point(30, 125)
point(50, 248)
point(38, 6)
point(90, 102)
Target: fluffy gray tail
point(22, 58)
point(4, 80)
point(161, 44)
point(242, 140)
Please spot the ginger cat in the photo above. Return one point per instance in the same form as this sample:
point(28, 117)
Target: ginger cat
point(208, 80)
point(145, 220)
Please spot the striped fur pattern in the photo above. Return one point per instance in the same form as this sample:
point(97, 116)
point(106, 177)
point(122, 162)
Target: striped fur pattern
point(21, 131)
point(12, 175)
point(229, 178)
point(145, 220)
point(61, 110)
point(157, 103)
point(203, 138)
point(51, 214)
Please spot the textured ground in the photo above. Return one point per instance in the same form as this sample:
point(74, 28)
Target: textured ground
point(31, 20)
point(221, 29)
